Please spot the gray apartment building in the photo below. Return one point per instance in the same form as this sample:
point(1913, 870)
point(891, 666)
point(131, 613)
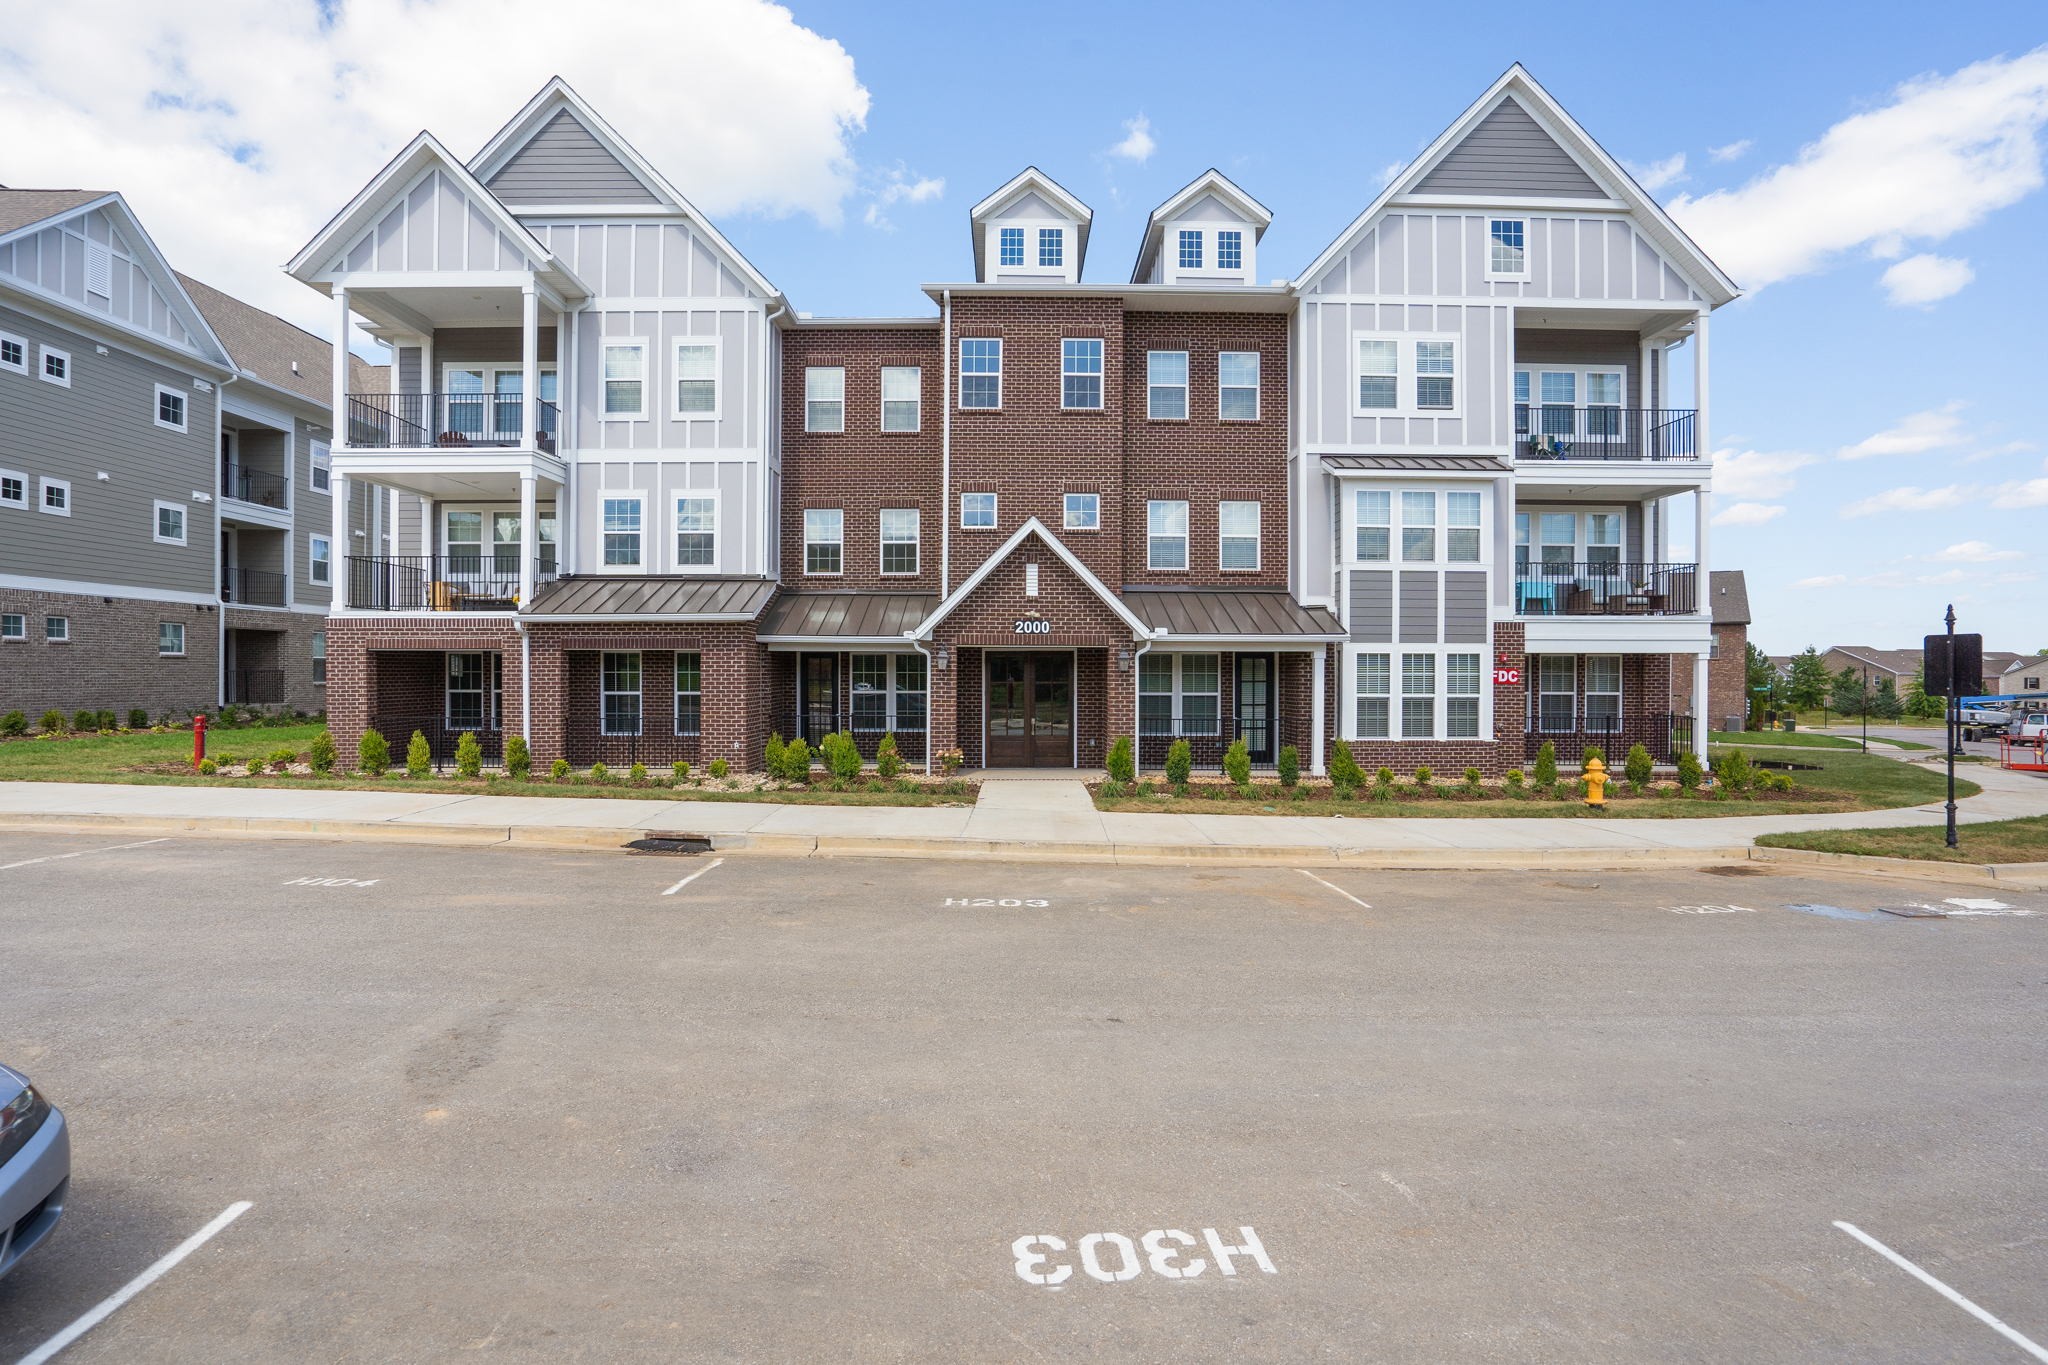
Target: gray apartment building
point(166, 524)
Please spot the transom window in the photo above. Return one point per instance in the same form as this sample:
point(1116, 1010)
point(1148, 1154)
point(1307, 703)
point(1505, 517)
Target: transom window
point(978, 511)
point(170, 408)
point(1230, 249)
point(890, 693)
point(825, 398)
point(689, 693)
point(1010, 246)
point(625, 379)
point(1190, 249)
point(696, 532)
point(1166, 535)
point(170, 637)
point(981, 372)
point(1375, 517)
point(1082, 512)
point(696, 379)
point(1237, 526)
point(899, 540)
point(1237, 386)
point(1179, 694)
point(621, 519)
point(170, 523)
point(902, 397)
point(1052, 246)
point(619, 692)
point(824, 540)
point(1166, 385)
point(1081, 372)
point(1507, 248)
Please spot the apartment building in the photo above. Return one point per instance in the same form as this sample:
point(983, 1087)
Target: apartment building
point(166, 532)
point(1419, 497)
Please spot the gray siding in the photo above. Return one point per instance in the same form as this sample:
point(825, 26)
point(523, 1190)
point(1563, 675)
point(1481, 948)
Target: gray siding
point(1465, 608)
point(1372, 606)
point(53, 260)
point(104, 423)
point(409, 361)
point(564, 164)
point(1508, 153)
point(1419, 607)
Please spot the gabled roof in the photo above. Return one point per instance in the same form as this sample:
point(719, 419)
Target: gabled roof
point(1518, 85)
point(1728, 594)
point(1031, 180)
point(1211, 181)
point(1899, 661)
point(558, 95)
point(264, 347)
point(1032, 526)
point(2025, 661)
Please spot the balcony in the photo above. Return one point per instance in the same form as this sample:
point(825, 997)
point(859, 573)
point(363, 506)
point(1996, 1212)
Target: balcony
point(257, 487)
point(446, 421)
point(1606, 588)
point(456, 583)
point(1545, 431)
point(252, 587)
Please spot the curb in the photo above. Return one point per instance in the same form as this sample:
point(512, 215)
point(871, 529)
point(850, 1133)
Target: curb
point(2007, 876)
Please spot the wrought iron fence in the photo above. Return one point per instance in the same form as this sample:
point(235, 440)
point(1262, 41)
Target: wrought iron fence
point(813, 723)
point(1666, 736)
point(449, 420)
point(470, 582)
point(442, 739)
point(1595, 587)
point(1208, 744)
point(1551, 431)
point(252, 587)
point(256, 686)
point(258, 486)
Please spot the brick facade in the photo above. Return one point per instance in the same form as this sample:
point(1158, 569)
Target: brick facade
point(110, 662)
point(279, 640)
point(1727, 679)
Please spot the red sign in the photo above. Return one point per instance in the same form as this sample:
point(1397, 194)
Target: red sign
point(1506, 677)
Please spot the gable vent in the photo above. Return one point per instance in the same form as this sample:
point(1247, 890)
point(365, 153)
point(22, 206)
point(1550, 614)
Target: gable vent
point(99, 271)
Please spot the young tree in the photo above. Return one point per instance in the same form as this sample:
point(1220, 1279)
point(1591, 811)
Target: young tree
point(1807, 689)
point(1846, 694)
point(1918, 703)
point(1884, 701)
point(1760, 678)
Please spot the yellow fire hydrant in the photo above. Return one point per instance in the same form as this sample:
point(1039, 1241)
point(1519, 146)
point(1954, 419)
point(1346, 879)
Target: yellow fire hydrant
point(1596, 781)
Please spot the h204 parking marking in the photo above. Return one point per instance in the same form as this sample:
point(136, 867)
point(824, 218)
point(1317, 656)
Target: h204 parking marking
point(1041, 1257)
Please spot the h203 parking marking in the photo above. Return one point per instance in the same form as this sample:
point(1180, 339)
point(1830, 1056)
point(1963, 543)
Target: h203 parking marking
point(1040, 1256)
point(996, 903)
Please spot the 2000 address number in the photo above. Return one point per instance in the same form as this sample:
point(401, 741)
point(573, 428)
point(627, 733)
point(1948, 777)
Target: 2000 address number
point(1032, 627)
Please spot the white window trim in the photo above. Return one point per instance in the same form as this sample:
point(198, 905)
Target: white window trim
point(992, 246)
point(1067, 516)
point(916, 543)
point(1180, 236)
point(1180, 694)
point(716, 345)
point(319, 466)
point(1037, 244)
point(26, 484)
point(1100, 376)
point(1258, 536)
point(675, 717)
point(22, 617)
point(42, 496)
point(640, 692)
point(42, 366)
point(156, 511)
point(1486, 244)
point(26, 351)
point(177, 653)
point(1442, 527)
point(808, 571)
point(1582, 521)
point(50, 639)
point(319, 657)
point(1534, 674)
point(486, 546)
point(675, 508)
point(156, 411)
point(809, 370)
point(961, 376)
point(1440, 718)
point(890, 718)
point(1186, 387)
point(1405, 375)
point(646, 377)
point(882, 413)
point(1186, 537)
point(1259, 363)
point(995, 507)
point(314, 562)
point(1586, 694)
point(1217, 237)
point(620, 495)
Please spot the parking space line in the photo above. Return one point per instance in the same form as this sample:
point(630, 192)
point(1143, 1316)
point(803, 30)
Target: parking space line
point(1938, 1287)
point(163, 1267)
point(1338, 889)
point(59, 857)
point(693, 876)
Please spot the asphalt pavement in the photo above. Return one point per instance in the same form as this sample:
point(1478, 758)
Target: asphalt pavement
point(589, 1106)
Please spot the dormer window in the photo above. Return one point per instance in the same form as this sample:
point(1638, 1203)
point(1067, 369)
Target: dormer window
point(1052, 247)
point(1011, 251)
point(1230, 250)
point(1190, 250)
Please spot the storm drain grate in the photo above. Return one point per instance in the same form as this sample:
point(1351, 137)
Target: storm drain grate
point(1737, 870)
point(675, 845)
point(1912, 911)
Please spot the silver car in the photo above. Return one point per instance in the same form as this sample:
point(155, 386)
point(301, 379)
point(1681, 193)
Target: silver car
point(35, 1167)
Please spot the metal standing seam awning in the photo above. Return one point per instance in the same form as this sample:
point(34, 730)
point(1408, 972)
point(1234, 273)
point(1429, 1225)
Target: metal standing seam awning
point(641, 597)
point(837, 620)
point(1436, 464)
point(1265, 616)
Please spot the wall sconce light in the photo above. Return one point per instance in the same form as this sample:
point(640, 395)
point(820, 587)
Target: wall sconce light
point(1123, 660)
point(104, 477)
point(942, 657)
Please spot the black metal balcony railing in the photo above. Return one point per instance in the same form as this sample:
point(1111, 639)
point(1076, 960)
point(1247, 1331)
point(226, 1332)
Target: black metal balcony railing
point(470, 582)
point(252, 587)
point(256, 686)
point(1547, 431)
point(813, 723)
point(1665, 735)
point(1606, 588)
point(1208, 740)
point(448, 420)
point(442, 738)
point(258, 486)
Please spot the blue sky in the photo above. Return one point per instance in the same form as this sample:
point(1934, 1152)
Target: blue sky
point(1878, 401)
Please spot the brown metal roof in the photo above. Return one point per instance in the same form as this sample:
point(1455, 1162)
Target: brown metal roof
point(846, 615)
point(1235, 613)
point(1468, 464)
point(644, 596)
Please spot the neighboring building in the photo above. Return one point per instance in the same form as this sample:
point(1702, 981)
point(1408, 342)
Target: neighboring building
point(661, 514)
point(161, 476)
point(2026, 675)
point(1728, 661)
point(1902, 665)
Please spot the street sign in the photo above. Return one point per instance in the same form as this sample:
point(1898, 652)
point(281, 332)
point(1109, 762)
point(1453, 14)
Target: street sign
point(1952, 674)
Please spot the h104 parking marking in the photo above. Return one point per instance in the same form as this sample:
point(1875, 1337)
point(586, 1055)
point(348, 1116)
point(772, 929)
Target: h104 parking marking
point(1166, 1253)
point(332, 881)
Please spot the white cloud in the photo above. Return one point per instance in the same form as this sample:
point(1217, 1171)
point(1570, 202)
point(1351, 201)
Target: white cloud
point(1941, 154)
point(2023, 493)
point(1757, 473)
point(237, 127)
point(1974, 552)
point(1925, 279)
point(1658, 175)
point(899, 186)
point(1730, 151)
point(1138, 144)
point(1748, 514)
point(1935, 429)
point(1913, 499)
point(1827, 580)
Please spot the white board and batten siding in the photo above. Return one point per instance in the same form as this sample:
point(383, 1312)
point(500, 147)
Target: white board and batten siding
point(87, 261)
point(434, 226)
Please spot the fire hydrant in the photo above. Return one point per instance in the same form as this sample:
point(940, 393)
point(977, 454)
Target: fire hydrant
point(1596, 781)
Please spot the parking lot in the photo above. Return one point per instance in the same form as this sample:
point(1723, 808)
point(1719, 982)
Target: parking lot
point(593, 1106)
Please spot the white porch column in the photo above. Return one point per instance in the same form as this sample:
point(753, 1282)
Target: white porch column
point(427, 530)
point(1700, 706)
point(529, 538)
point(340, 439)
point(1702, 446)
point(529, 363)
point(338, 542)
point(1318, 709)
point(1702, 530)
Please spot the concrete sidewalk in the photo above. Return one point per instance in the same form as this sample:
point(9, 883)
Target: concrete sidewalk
point(1027, 819)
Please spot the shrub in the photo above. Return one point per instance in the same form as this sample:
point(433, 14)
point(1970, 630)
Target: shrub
point(1180, 761)
point(14, 723)
point(950, 761)
point(207, 767)
point(138, 719)
point(1344, 769)
point(281, 760)
point(518, 758)
point(771, 756)
point(1237, 763)
point(85, 722)
point(600, 774)
point(888, 758)
point(1472, 781)
point(253, 766)
point(1731, 767)
point(1779, 782)
point(638, 774)
point(106, 720)
point(1423, 775)
point(1689, 771)
point(1546, 765)
point(1637, 766)
point(53, 722)
point(844, 759)
point(681, 769)
point(719, 768)
point(1593, 751)
point(1123, 761)
point(1384, 777)
point(1290, 766)
point(469, 755)
point(559, 769)
point(419, 756)
point(320, 756)
point(1515, 780)
point(373, 754)
point(796, 761)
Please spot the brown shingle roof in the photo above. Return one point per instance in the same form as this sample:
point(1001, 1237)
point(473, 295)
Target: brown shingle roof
point(1233, 613)
point(846, 615)
point(1729, 597)
point(644, 596)
point(19, 208)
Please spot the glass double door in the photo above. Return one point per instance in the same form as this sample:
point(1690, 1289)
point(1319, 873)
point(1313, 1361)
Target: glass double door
point(485, 402)
point(1030, 711)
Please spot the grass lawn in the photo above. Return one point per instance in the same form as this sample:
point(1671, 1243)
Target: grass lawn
point(1780, 739)
point(1840, 782)
point(156, 760)
point(1998, 841)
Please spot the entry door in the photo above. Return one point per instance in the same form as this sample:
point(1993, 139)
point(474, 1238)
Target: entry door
point(1030, 711)
point(1255, 705)
point(818, 701)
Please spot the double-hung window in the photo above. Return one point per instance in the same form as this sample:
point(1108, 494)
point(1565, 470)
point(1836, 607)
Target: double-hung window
point(170, 638)
point(1379, 375)
point(1010, 246)
point(170, 408)
point(1418, 696)
point(1166, 535)
point(319, 468)
point(696, 379)
point(978, 511)
point(1603, 404)
point(1178, 694)
point(1603, 539)
point(1603, 694)
point(319, 560)
point(1237, 526)
point(1418, 528)
point(1461, 534)
point(1081, 372)
point(1407, 376)
point(1461, 696)
point(621, 522)
point(696, 531)
point(981, 372)
point(625, 380)
point(1507, 249)
point(902, 397)
point(1237, 386)
point(619, 692)
point(170, 524)
point(1166, 385)
point(1230, 249)
point(319, 658)
point(471, 696)
point(1081, 512)
point(1556, 702)
point(824, 540)
point(1375, 518)
point(1436, 375)
point(1439, 695)
point(1052, 247)
point(899, 540)
point(825, 398)
point(1190, 249)
point(1374, 695)
point(889, 693)
point(689, 693)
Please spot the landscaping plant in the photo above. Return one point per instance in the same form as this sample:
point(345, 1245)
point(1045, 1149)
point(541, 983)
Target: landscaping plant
point(1689, 771)
point(681, 769)
point(559, 769)
point(469, 755)
point(1290, 766)
point(1345, 774)
point(1472, 781)
point(888, 759)
point(138, 719)
point(950, 761)
point(844, 760)
point(14, 723)
point(1237, 764)
point(207, 767)
point(1546, 766)
point(1593, 751)
point(373, 754)
point(518, 758)
point(1637, 765)
point(719, 768)
point(638, 774)
point(1180, 762)
point(1732, 770)
point(771, 756)
point(281, 760)
point(1123, 761)
point(85, 722)
point(320, 755)
point(419, 756)
point(796, 761)
point(253, 766)
point(1515, 780)
point(1424, 780)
